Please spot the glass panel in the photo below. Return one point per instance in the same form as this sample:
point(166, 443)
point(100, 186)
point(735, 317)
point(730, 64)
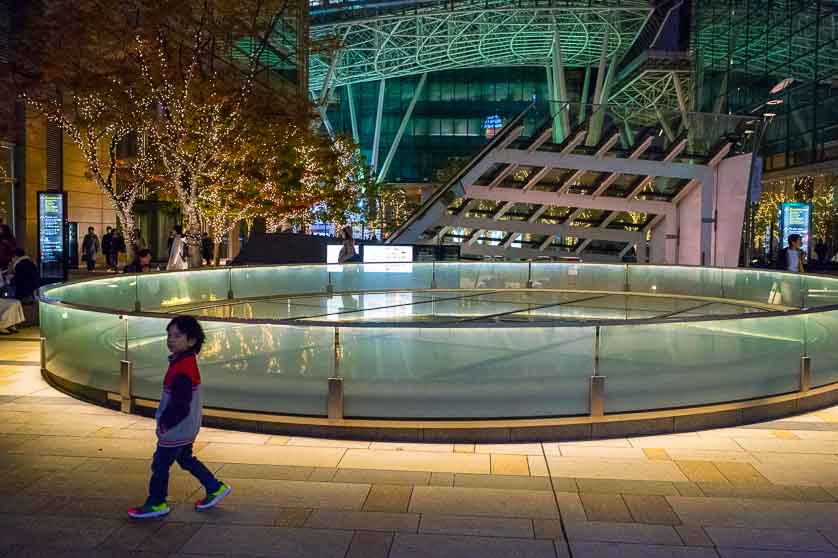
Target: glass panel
point(379, 277)
point(114, 293)
point(266, 368)
point(481, 275)
point(164, 290)
point(673, 365)
point(73, 336)
point(687, 281)
point(466, 372)
point(587, 277)
point(819, 291)
point(265, 281)
point(821, 333)
point(765, 287)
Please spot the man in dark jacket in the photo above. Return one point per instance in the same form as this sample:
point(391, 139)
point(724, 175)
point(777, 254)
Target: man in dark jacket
point(90, 248)
point(107, 248)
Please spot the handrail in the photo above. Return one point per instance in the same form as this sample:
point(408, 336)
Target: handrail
point(44, 298)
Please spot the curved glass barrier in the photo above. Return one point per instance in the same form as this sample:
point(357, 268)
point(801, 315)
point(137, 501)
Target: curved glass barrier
point(686, 347)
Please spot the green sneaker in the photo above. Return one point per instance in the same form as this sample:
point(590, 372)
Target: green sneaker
point(213, 497)
point(147, 510)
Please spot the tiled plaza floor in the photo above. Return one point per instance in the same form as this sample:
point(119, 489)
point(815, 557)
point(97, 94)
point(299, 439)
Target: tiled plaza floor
point(69, 470)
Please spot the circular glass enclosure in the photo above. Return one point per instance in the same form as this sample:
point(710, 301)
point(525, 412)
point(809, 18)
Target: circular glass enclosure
point(454, 340)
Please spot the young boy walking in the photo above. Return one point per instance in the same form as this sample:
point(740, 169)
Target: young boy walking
point(178, 421)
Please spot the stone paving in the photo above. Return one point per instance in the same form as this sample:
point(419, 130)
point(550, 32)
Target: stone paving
point(69, 471)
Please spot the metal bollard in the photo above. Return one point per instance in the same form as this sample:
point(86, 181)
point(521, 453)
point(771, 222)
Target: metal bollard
point(43, 354)
point(529, 274)
point(597, 396)
point(334, 402)
point(126, 403)
point(230, 294)
point(805, 373)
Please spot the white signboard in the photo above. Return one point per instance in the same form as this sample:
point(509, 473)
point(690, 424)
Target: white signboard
point(385, 253)
point(332, 253)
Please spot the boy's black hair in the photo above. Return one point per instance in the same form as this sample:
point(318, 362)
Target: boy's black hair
point(178, 229)
point(794, 237)
point(143, 253)
point(190, 327)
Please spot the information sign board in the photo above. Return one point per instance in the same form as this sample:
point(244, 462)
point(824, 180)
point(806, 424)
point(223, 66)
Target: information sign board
point(387, 253)
point(52, 244)
point(795, 218)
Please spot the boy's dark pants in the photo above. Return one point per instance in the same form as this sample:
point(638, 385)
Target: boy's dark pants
point(158, 487)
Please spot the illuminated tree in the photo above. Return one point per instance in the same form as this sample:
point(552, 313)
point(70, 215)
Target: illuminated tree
point(285, 175)
point(207, 70)
point(79, 78)
point(805, 189)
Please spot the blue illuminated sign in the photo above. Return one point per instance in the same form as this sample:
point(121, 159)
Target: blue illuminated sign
point(795, 218)
point(492, 124)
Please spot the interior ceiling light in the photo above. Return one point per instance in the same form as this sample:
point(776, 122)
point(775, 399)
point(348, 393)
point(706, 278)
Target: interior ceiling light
point(775, 102)
point(781, 85)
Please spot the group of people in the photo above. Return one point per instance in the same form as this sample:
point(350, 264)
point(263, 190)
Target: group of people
point(113, 243)
point(19, 279)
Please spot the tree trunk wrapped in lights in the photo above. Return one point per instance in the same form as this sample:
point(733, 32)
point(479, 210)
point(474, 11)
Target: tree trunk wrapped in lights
point(199, 79)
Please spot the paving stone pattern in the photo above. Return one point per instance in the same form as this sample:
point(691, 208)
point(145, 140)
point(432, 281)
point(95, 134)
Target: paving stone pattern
point(70, 470)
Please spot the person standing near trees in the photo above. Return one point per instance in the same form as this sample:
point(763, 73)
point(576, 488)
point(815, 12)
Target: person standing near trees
point(90, 248)
point(177, 253)
point(107, 248)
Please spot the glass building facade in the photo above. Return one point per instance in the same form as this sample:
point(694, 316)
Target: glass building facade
point(777, 59)
point(455, 114)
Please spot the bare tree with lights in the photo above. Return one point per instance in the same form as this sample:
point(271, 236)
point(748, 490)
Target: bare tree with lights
point(207, 77)
point(78, 78)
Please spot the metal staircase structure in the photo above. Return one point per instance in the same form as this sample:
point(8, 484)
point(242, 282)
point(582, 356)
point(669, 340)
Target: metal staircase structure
point(526, 197)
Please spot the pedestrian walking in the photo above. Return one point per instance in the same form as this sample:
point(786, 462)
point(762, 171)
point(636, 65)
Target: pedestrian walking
point(90, 248)
point(107, 248)
point(178, 422)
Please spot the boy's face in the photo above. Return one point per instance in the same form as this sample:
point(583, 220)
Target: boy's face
point(177, 341)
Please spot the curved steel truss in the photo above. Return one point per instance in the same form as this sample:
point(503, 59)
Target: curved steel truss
point(473, 34)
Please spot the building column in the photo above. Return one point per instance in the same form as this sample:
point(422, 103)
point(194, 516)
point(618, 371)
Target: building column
point(603, 85)
point(376, 140)
point(708, 217)
point(583, 102)
point(353, 116)
point(561, 122)
point(400, 132)
point(670, 229)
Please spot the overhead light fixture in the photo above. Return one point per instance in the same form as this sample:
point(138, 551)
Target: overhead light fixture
point(781, 85)
point(775, 102)
point(769, 114)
